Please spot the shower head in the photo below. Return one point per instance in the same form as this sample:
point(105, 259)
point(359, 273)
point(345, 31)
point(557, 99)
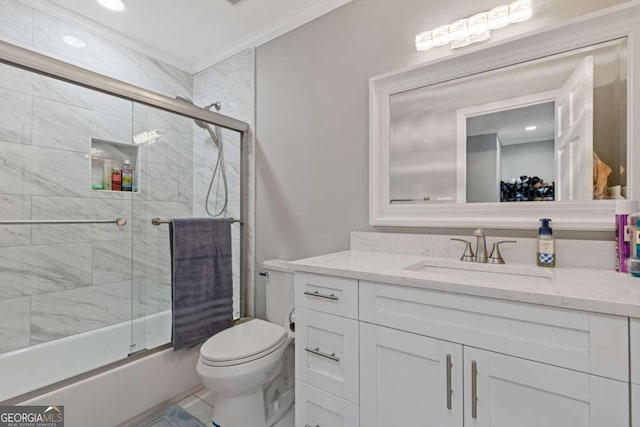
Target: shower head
point(199, 123)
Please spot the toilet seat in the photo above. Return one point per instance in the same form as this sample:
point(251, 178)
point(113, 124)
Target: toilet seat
point(242, 343)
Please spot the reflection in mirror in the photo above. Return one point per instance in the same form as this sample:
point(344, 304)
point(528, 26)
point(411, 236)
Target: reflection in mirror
point(518, 144)
point(553, 129)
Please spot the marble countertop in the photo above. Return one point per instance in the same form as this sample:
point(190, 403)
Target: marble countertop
point(592, 290)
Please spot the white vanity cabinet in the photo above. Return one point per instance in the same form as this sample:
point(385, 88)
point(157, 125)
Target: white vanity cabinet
point(634, 334)
point(431, 358)
point(506, 391)
point(327, 356)
point(407, 377)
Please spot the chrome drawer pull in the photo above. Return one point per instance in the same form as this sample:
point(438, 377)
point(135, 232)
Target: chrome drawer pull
point(317, 352)
point(319, 295)
point(309, 425)
point(474, 390)
point(449, 389)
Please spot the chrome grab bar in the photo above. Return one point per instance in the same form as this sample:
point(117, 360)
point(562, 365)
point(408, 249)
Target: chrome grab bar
point(120, 221)
point(317, 352)
point(158, 221)
point(319, 295)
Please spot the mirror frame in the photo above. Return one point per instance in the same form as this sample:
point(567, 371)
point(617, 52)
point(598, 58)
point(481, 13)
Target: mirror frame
point(612, 23)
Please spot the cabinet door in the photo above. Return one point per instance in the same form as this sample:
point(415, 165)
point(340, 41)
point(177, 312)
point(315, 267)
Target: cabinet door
point(635, 405)
point(505, 391)
point(408, 380)
point(327, 353)
point(317, 408)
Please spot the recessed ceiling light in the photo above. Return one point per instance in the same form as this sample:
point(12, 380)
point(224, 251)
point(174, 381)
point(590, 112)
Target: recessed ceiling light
point(74, 41)
point(530, 128)
point(116, 5)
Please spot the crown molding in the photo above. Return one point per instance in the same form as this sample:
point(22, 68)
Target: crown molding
point(100, 30)
point(263, 35)
point(296, 18)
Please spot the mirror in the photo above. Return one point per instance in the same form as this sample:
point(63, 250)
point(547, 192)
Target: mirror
point(498, 135)
point(553, 129)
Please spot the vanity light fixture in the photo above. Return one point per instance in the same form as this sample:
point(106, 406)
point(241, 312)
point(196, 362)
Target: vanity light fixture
point(459, 30)
point(424, 41)
point(520, 11)
point(478, 24)
point(115, 5)
point(74, 41)
point(498, 17)
point(530, 128)
point(474, 29)
point(440, 36)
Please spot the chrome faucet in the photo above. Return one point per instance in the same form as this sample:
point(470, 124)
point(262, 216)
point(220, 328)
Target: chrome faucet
point(481, 245)
point(481, 249)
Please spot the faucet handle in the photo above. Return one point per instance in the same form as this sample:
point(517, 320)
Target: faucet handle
point(496, 256)
point(468, 255)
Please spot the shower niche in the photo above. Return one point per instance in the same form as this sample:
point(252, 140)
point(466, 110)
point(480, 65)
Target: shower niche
point(107, 156)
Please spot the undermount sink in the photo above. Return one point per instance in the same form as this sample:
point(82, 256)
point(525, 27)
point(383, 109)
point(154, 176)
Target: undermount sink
point(483, 271)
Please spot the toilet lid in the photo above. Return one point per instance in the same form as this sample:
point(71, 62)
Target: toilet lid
point(242, 341)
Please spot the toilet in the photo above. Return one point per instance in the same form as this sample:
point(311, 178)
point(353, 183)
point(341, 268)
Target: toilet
point(249, 368)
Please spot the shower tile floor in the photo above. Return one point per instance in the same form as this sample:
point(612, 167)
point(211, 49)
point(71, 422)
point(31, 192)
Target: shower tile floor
point(199, 404)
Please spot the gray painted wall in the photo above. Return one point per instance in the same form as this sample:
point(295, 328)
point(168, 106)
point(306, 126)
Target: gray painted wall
point(312, 115)
point(531, 159)
point(482, 168)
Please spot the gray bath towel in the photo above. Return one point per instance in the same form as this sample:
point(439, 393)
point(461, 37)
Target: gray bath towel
point(201, 282)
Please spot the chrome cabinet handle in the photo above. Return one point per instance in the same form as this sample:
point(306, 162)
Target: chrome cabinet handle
point(319, 295)
point(474, 390)
point(449, 389)
point(309, 425)
point(317, 352)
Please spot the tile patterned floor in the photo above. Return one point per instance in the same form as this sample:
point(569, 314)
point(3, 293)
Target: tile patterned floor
point(199, 404)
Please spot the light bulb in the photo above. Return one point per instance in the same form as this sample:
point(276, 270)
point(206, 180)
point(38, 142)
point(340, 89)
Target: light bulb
point(478, 24)
point(520, 11)
point(116, 5)
point(440, 36)
point(458, 30)
point(457, 44)
point(498, 17)
point(424, 41)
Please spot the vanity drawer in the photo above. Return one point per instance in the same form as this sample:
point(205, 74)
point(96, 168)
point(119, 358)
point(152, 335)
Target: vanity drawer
point(588, 342)
point(329, 294)
point(635, 352)
point(316, 408)
point(327, 353)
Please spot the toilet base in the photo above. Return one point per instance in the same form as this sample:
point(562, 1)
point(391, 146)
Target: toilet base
point(240, 411)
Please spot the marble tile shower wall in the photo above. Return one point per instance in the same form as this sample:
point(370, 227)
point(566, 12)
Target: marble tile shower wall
point(57, 281)
point(230, 82)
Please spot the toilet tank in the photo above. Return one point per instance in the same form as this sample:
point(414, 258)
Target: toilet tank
point(279, 290)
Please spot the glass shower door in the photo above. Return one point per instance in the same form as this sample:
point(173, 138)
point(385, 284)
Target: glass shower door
point(177, 176)
point(65, 289)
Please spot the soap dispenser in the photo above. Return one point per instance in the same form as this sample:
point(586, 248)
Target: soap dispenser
point(546, 245)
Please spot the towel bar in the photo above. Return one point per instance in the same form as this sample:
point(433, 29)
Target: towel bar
point(158, 221)
point(120, 221)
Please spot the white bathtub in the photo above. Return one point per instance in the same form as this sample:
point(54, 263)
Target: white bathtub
point(34, 367)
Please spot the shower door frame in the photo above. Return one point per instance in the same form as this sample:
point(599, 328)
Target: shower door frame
point(30, 60)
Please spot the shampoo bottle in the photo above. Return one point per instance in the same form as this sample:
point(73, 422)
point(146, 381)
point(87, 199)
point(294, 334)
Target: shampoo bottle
point(127, 176)
point(546, 245)
point(107, 169)
point(624, 212)
point(116, 180)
